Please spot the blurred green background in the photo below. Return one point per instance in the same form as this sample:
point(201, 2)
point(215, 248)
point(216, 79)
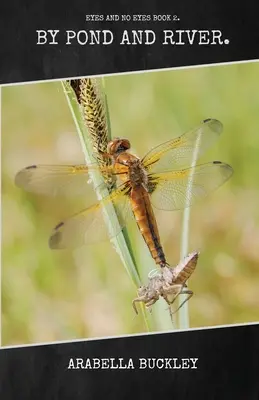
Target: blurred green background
point(59, 295)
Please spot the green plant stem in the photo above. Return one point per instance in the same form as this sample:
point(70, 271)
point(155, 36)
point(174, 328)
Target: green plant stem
point(183, 315)
point(119, 241)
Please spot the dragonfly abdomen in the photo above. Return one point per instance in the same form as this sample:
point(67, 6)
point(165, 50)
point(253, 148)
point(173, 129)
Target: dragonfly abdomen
point(147, 224)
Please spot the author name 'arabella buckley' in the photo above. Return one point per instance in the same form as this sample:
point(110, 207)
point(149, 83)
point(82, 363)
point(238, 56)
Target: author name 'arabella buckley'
point(129, 363)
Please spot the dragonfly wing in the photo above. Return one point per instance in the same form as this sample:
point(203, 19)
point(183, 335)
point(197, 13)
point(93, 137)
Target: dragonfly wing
point(56, 180)
point(176, 190)
point(94, 224)
point(181, 151)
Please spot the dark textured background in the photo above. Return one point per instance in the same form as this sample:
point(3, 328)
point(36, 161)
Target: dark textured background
point(22, 60)
point(227, 368)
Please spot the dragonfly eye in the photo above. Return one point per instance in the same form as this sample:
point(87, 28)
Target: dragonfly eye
point(118, 146)
point(123, 145)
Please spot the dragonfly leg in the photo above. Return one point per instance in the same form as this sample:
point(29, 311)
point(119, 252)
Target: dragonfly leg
point(151, 302)
point(138, 299)
point(189, 293)
point(176, 290)
point(148, 299)
point(171, 290)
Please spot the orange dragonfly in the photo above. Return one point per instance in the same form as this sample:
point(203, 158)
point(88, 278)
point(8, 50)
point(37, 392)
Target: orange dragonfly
point(163, 178)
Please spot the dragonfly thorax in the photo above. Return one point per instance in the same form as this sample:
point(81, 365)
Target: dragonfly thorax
point(137, 173)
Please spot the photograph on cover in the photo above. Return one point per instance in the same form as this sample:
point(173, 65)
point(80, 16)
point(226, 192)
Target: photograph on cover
point(130, 203)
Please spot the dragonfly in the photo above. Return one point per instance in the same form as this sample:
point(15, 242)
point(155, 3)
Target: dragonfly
point(166, 178)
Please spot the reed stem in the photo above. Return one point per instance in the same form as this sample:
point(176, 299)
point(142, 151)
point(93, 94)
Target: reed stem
point(183, 315)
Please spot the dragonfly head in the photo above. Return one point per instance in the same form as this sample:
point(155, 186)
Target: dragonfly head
point(118, 145)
